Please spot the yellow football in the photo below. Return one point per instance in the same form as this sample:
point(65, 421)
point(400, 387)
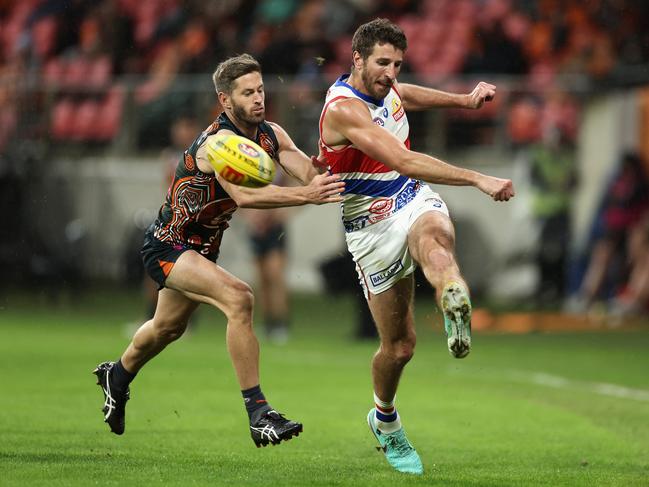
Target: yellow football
point(240, 161)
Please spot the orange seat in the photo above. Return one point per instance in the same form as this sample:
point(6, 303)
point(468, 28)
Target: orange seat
point(63, 115)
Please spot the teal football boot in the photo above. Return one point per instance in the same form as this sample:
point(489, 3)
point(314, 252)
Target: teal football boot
point(456, 307)
point(396, 447)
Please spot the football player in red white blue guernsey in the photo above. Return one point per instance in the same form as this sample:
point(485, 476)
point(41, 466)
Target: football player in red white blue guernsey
point(393, 220)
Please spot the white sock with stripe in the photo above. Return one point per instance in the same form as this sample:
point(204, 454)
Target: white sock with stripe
point(387, 417)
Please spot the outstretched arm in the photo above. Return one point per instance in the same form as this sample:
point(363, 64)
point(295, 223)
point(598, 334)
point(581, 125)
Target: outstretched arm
point(321, 189)
point(294, 162)
point(416, 97)
point(350, 119)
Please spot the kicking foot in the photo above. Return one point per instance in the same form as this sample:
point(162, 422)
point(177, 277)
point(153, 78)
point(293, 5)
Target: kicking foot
point(456, 307)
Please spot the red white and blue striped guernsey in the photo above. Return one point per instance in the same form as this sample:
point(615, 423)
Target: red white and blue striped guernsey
point(373, 191)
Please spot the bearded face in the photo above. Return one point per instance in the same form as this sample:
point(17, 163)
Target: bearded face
point(247, 99)
point(250, 116)
point(380, 70)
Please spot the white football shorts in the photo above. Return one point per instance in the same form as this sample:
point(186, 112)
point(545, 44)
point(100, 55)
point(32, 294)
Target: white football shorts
point(381, 250)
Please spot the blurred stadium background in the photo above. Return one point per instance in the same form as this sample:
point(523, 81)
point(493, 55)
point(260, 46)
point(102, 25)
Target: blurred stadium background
point(97, 95)
point(91, 90)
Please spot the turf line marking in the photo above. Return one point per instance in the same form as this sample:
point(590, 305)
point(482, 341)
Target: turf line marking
point(558, 382)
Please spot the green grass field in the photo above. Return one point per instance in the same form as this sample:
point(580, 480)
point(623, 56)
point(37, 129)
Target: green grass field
point(542, 409)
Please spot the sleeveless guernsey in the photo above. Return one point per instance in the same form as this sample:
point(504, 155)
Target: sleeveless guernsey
point(373, 191)
point(197, 209)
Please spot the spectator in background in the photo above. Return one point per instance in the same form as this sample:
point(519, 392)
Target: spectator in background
point(116, 33)
point(157, 102)
point(339, 276)
point(553, 175)
point(298, 48)
point(495, 50)
point(267, 235)
point(625, 202)
point(633, 299)
point(11, 74)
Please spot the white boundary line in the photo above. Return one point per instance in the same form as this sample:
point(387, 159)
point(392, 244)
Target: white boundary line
point(558, 382)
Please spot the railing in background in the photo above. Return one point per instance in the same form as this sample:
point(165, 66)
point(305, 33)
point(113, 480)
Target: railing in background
point(92, 114)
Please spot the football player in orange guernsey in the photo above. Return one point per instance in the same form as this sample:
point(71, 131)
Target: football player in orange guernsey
point(182, 245)
point(393, 220)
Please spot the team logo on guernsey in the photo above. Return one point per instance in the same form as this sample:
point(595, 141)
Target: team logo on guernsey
point(382, 205)
point(190, 165)
point(266, 143)
point(378, 121)
point(397, 109)
point(248, 150)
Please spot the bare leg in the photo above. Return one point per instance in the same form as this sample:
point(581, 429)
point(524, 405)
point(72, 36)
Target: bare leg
point(206, 282)
point(192, 280)
point(638, 286)
point(431, 241)
point(274, 294)
point(392, 311)
point(168, 324)
point(600, 259)
point(393, 314)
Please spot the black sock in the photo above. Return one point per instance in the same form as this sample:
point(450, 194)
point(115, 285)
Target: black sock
point(255, 402)
point(276, 324)
point(120, 378)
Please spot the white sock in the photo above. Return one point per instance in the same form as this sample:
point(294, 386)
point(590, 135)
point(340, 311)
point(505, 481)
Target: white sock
point(387, 417)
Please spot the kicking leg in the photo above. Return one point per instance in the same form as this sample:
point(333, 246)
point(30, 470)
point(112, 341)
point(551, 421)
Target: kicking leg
point(431, 241)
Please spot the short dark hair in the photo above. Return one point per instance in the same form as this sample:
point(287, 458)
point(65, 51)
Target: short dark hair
point(380, 31)
point(232, 68)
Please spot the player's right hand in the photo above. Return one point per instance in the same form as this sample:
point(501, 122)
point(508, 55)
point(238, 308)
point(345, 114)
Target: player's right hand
point(482, 93)
point(325, 188)
point(499, 189)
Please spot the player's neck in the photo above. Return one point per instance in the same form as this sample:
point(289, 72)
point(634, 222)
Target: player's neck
point(356, 82)
point(247, 129)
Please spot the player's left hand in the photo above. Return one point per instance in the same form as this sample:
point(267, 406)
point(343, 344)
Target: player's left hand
point(325, 188)
point(481, 93)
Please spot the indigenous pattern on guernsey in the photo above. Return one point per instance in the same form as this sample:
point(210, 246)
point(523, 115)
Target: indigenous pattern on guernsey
point(197, 209)
point(373, 191)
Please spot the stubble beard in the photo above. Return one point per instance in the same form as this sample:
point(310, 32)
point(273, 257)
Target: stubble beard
point(248, 119)
point(369, 86)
